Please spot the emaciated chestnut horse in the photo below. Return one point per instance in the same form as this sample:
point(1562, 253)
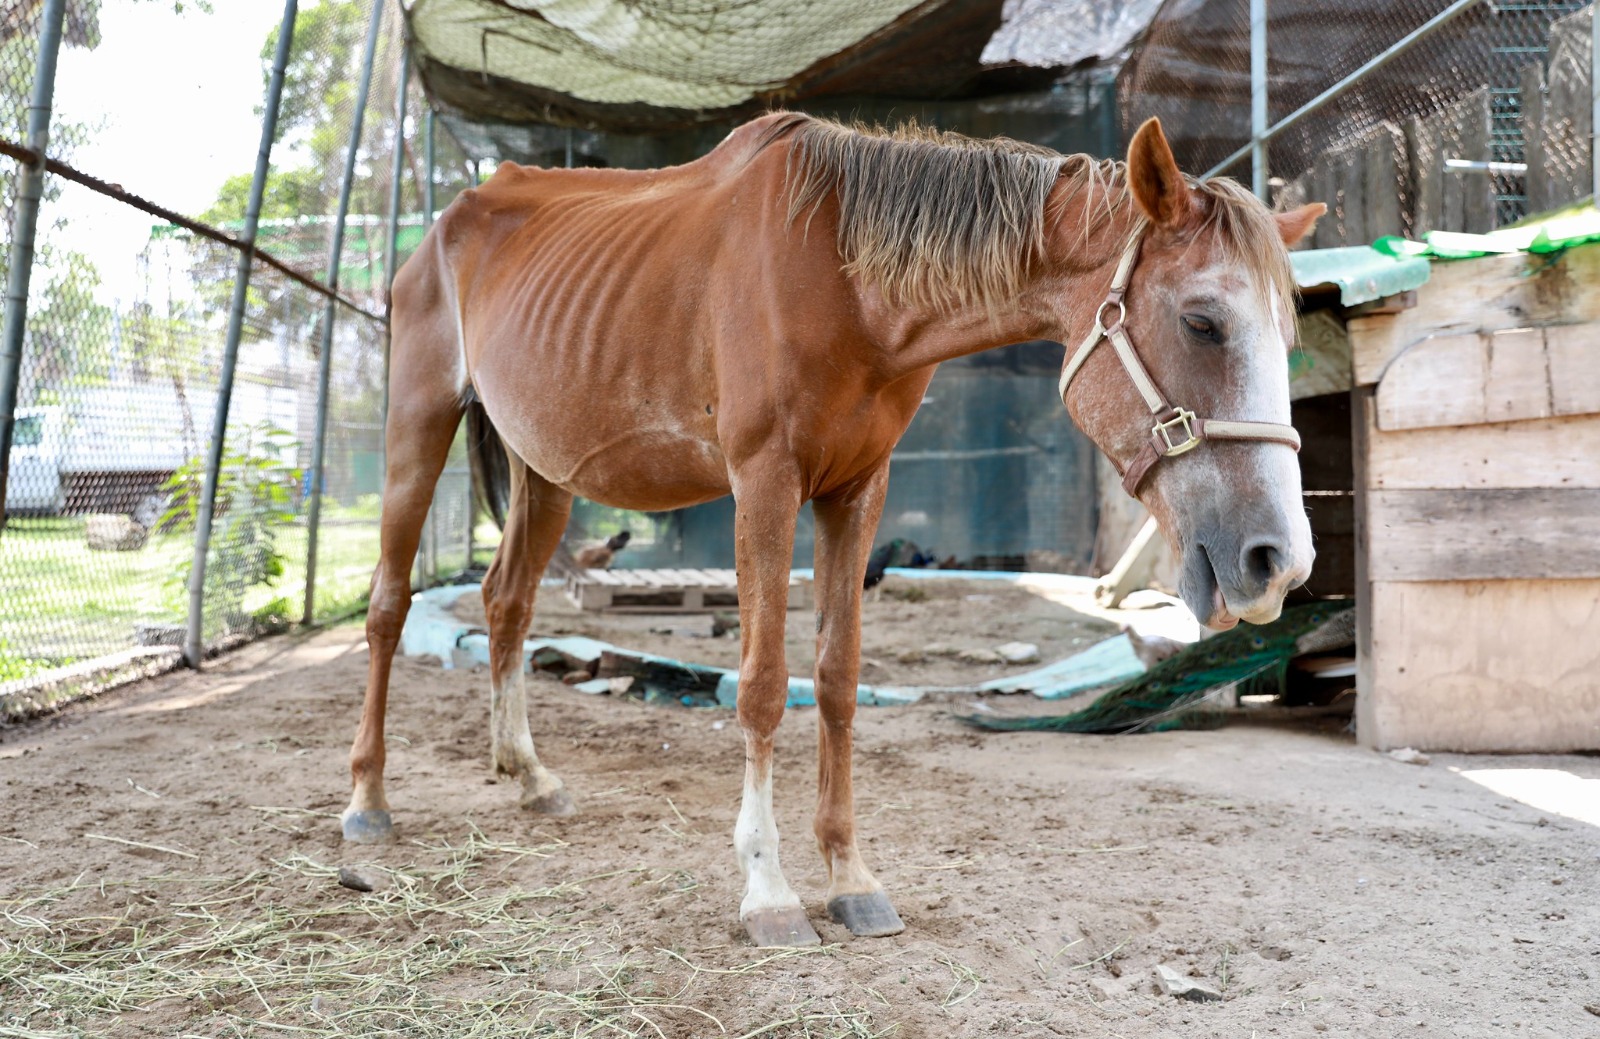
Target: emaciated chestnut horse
point(764, 321)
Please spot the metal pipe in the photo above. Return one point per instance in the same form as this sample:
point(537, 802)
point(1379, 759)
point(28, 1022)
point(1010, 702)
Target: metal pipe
point(1394, 50)
point(1258, 98)
point(391, 249)
point(194, 637)
point(1594, 102)
point(57, 168)
point(427, 223)
point(427, 189)
point(319, 443)
point(1474, 166)
point(24, 223)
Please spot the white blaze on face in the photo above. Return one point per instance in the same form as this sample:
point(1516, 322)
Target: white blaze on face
point(1252, 368)
point(1261, 338)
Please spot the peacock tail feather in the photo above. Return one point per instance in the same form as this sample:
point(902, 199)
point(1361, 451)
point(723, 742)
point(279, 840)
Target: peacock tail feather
point(1180, 692)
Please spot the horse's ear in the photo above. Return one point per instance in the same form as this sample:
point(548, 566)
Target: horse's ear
point(1153, 177)
point(1295, 224)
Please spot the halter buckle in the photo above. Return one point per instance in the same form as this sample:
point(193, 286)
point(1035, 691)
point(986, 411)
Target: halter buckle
point(1181, 417)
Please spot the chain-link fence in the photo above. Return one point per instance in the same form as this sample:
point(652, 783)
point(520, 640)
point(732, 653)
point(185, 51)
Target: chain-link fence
point(122, 357)
point(1480, 117)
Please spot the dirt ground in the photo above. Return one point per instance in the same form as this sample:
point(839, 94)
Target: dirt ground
point(914, 630)
point(1324, 889)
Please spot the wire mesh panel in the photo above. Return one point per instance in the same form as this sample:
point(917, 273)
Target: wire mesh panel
point(111, 403)
point(1557, 109)
point(122, 361)
point(1408, 147)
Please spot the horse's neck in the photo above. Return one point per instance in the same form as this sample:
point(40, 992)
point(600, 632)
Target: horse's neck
point(1058, 301)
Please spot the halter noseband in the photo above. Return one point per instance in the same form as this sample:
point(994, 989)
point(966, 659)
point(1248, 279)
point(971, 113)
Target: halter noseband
point(1177, 429)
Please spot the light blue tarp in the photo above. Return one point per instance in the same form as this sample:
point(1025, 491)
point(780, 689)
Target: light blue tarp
point(432, 629)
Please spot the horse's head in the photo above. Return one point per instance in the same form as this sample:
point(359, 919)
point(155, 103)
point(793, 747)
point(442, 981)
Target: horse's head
point(1203, 440)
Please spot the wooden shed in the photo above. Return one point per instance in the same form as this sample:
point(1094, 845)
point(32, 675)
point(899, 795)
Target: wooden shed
point(1475, 417)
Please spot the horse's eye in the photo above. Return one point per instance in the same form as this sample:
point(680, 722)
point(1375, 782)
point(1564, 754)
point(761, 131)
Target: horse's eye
point(1201, 328)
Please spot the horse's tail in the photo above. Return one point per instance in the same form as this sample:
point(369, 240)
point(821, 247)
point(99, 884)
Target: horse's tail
point(491, 470)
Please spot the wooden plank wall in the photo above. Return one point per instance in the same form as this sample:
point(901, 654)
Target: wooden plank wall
point(1393, 180)
point(1446, 201)
point(1556, 115)
point(1477, 471)
point(1365, 186)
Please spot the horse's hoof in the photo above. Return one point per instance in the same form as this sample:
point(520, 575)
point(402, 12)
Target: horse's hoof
point(368, 826)
point(781, 928)
point(557, 802)
point(867, 916)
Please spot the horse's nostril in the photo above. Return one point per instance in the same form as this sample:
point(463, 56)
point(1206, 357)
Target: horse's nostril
point(1262, 562)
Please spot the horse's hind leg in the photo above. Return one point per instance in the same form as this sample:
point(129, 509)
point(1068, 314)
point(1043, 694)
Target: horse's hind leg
point(424, 414)
point(534, 525)
point(844, 541)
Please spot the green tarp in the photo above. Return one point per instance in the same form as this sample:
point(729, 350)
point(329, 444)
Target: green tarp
point(1547, 233)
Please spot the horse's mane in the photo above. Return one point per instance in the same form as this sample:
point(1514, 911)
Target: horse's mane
point(939, 219)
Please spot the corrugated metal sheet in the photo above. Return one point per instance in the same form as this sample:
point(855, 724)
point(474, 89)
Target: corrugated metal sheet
point(1361, 273)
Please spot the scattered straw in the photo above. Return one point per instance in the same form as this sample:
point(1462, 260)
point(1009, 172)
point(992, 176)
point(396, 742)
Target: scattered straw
point(142, 790)
point(1103, 957)
point(967, 982)
point(1094, 850)
point(448, 947)
point(141, 844)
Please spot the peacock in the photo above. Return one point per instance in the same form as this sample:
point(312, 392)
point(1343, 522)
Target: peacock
point(1174, 693)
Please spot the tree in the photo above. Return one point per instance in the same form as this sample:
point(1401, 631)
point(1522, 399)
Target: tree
point(302, 191)
point(67, 330)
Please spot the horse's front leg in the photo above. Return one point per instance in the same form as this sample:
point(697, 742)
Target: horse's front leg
point(845, 527)
point(765, 511)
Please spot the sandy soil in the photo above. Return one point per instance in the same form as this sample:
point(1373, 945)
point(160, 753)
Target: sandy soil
point(901, 621)
point(1324, 888)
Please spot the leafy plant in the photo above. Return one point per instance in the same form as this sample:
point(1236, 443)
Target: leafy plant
point(256, 489)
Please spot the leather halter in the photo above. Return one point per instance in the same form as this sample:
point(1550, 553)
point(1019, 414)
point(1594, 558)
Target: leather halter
point(1176, 429)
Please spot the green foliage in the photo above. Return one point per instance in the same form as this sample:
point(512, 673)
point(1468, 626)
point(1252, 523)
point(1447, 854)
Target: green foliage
point(287, 195)
point(255, 502)
point(319, 80)
point(15, 665)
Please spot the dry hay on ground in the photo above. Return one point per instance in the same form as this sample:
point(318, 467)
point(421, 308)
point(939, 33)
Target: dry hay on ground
point(1325, 889)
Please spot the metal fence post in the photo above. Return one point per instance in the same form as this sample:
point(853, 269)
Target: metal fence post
point(23, 225)
point(428, 160)
point(427, 223)
point(1594, 101)
point(194, 638)
point(1258, 98)
point(319, 441)
point(391, 248)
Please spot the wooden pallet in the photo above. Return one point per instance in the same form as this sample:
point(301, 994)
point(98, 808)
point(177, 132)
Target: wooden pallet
point(667, 591)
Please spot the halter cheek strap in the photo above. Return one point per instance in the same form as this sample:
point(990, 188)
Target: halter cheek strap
point(1176, 429)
